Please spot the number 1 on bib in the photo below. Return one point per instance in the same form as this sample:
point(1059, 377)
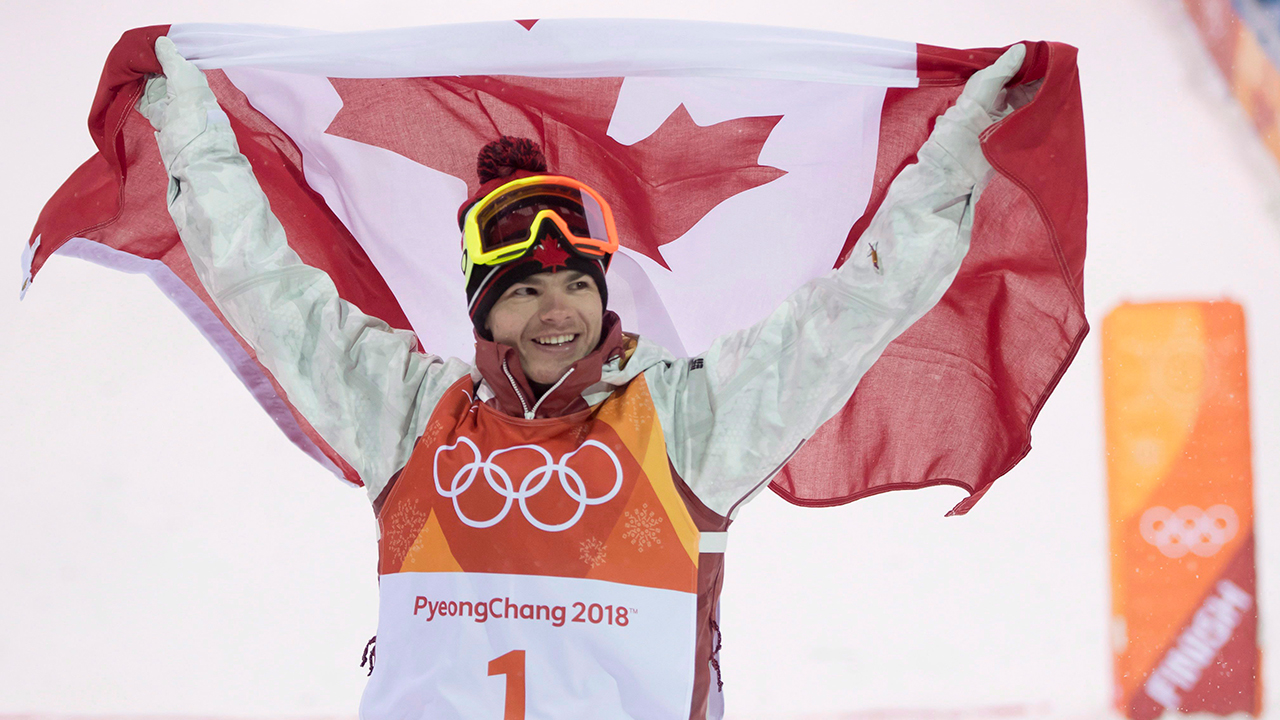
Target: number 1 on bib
point(511, 665)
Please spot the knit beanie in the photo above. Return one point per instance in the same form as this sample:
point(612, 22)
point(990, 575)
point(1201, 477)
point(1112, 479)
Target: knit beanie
point(501, 161)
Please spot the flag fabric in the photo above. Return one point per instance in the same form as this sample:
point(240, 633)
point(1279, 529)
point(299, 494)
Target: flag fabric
point(741, 161)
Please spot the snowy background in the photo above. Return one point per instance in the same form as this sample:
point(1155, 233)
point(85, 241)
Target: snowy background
point(164, 550)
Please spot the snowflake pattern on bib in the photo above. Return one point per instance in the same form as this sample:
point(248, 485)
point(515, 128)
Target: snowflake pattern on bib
point(411, 518)
point(592, 552)
point(643, 527)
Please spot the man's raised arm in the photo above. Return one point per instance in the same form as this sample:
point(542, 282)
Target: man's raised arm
point(732, 420)
point(360, 383)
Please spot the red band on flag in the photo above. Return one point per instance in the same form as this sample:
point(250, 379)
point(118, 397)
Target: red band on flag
point(952, 400)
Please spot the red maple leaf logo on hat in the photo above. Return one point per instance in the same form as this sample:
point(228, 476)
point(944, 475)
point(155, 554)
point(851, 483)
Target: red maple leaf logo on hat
point(658, 187)
point(550, 254)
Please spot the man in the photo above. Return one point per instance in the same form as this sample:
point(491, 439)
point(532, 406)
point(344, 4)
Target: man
point(552, 518)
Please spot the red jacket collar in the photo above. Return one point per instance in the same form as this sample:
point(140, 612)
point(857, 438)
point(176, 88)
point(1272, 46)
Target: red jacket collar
point(562, 399)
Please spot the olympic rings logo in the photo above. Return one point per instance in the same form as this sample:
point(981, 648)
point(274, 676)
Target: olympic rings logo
point(533, 483)
point(1189, 529)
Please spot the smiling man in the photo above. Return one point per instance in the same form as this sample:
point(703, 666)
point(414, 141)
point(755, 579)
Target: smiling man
point(552, 518)
point(536, 247)
point(551, 319)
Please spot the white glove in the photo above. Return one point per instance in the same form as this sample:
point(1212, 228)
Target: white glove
point(983, 102)
point(178, 103)
point(986, 87)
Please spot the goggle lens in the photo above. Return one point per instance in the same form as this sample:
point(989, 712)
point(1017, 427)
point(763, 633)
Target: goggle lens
point(508, 220)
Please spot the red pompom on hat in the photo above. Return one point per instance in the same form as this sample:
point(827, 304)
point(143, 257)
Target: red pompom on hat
point(501, 161)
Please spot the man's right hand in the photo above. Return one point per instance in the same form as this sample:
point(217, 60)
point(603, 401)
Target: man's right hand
point(181, 84)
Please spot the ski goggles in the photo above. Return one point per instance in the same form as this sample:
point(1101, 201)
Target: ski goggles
point(506, 223)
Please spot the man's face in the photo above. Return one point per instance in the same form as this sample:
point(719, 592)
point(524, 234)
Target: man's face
point(551, 319)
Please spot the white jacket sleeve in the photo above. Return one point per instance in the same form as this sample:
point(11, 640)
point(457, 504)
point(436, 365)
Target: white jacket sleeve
point(360, 383)
point(734, 416)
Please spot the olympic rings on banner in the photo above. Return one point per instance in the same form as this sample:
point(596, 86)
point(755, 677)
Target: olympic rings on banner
point(1189, 529)
point(533, 483)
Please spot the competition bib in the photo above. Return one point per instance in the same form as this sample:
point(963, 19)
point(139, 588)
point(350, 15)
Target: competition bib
point(536, 569)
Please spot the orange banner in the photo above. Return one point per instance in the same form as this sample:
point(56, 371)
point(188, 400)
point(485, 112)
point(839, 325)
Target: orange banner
point(1175, 384)
point(1254, 77)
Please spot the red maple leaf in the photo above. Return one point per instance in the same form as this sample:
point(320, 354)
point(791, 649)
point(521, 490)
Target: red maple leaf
point(658, 187)
point(550, 254)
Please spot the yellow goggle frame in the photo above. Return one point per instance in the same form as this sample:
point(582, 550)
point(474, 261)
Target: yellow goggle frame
point(486, 216)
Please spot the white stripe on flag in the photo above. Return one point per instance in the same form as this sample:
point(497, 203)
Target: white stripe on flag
point(554, 48)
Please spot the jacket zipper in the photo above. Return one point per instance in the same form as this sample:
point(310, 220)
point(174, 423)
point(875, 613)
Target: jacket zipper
point(531, 414)
point(528, 414)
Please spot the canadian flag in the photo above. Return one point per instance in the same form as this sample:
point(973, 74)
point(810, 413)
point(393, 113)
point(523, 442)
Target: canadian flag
point(741, 161)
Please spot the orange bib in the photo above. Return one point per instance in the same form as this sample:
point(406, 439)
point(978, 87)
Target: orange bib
point(536, 568)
